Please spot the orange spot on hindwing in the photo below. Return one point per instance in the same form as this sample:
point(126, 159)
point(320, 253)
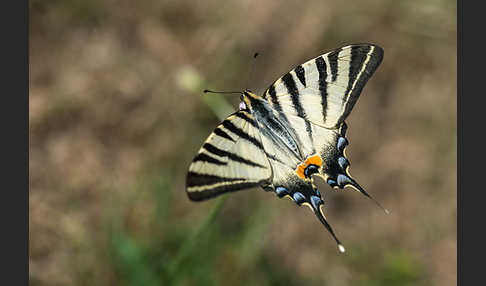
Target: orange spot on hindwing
point(314, 161)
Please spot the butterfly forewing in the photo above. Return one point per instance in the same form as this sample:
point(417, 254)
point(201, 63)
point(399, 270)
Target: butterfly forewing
point(231, 159)
point(324, 90)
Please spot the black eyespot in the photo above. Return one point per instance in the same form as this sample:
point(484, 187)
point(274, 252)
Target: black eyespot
point(311, 169)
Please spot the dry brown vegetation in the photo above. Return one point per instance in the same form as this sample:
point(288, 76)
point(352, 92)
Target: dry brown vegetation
point(116, 115)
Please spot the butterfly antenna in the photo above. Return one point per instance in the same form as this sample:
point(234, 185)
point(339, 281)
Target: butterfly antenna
point(223, 92)
point(252, 70)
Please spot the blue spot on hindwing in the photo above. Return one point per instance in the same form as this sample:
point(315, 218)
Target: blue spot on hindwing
point(342, 142)
point(316, 201)
point(343, 180)
point(281, 191)
point(298, 198)
point(343, 163)
point(331, 182)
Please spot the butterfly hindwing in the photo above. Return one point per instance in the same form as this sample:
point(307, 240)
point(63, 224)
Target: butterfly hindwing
point(292, 173)
point(315, 98)
point(324, 90)
point(322, 147)
point(231, 159)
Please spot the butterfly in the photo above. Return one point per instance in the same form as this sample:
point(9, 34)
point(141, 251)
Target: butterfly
point(280, 141)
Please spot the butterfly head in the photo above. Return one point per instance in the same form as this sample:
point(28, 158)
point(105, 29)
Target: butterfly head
point(249, 100)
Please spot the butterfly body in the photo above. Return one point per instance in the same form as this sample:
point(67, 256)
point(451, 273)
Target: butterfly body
point(295, 131)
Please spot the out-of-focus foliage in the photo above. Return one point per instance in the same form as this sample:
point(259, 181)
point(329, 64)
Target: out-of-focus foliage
point(117, 113)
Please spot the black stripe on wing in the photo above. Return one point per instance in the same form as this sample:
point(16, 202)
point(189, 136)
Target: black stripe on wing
point(236, 130)
point(201, 180)
point(273, 97)
point(221, 153)
point(201, 157)
point(213, 192)
point(289, 83)
point(358, 58)
point(299, 71)
point(220, 132)
point(247, 118)
point(322, 69)
point(333, 63)
point(359, 74)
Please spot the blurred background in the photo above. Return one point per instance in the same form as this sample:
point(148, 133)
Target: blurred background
point(117, 113)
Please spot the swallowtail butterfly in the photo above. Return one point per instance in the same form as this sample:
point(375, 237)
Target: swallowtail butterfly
point(294, 131)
